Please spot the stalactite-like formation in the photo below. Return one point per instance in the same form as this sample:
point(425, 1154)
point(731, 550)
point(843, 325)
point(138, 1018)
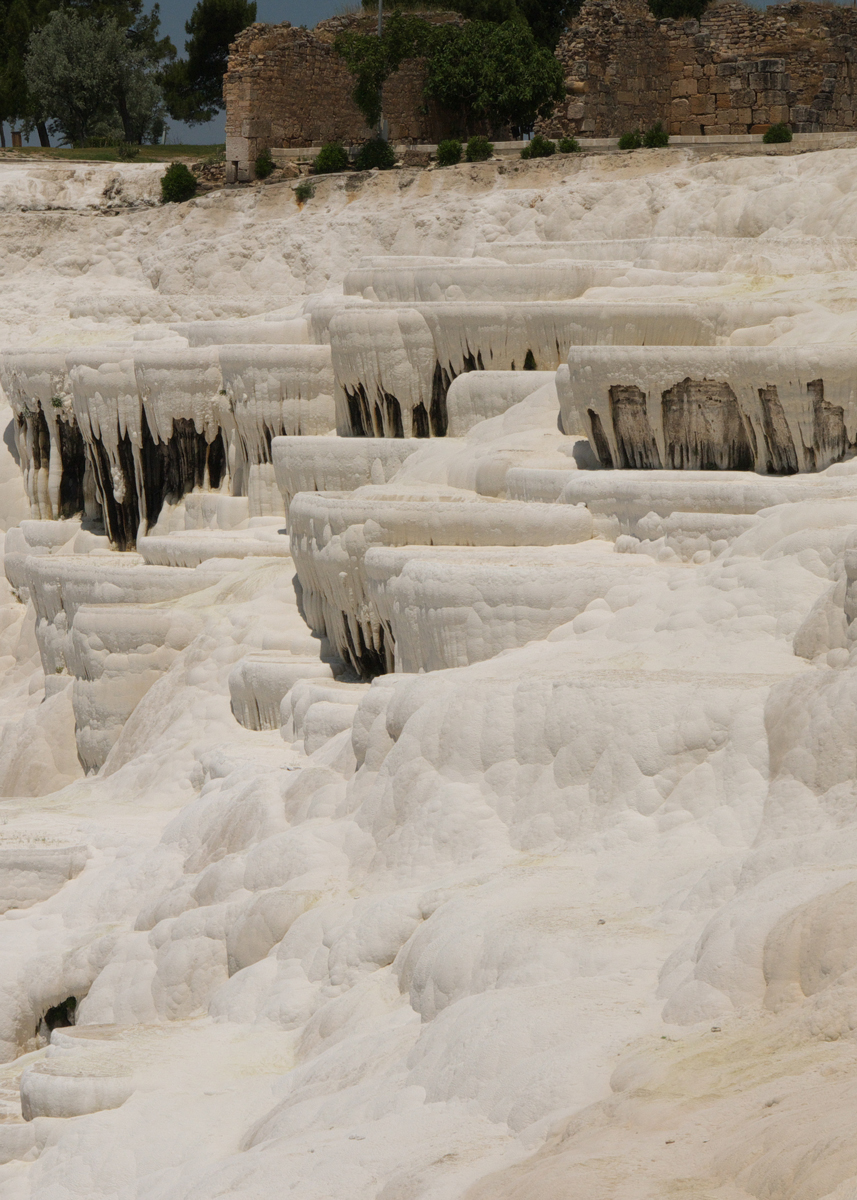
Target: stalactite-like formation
point(49, 442)
point(740, 408)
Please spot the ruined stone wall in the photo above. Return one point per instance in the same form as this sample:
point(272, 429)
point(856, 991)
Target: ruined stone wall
point(737, 70)
point(616, 71)
point(287, 86)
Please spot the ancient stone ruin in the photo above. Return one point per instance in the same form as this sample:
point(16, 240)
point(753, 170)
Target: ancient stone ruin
point(737, 70)
point(287, 87)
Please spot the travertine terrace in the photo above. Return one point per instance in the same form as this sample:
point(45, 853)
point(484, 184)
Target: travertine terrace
point(428, 690)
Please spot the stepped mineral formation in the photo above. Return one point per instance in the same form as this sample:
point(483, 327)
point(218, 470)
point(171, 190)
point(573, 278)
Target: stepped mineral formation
point(427, 683)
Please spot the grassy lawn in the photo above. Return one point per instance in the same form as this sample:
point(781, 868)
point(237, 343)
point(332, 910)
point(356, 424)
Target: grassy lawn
point(148, 154)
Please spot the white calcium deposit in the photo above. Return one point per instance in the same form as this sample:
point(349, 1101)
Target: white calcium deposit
point(428, 698)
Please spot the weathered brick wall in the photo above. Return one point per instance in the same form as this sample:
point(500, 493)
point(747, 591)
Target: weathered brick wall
point(287, 86)
point(737, 70)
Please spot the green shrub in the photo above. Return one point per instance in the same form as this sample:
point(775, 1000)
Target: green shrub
point(539, 147)
point(656, 136)
point(568, 145)
point(331, 157)
point(177, 184)
point(127, 151)
point(449, 152)
point(376, 153)
point(304, 191)
point(479, 149)
point(777, 133)
point(265, 165)
point(631, 141)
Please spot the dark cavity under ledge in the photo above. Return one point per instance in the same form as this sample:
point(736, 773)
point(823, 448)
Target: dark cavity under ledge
point(170, 470)
point(383, 416)
point(36, 433)
point(705, 430)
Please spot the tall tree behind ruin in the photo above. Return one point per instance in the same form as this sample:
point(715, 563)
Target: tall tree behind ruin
point(193, 86)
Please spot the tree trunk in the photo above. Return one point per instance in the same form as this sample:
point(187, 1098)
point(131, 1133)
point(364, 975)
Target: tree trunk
point(44, 140)
point(2, 137)
point(122, 106)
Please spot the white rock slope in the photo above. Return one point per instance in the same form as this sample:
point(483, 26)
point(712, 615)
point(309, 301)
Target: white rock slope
point(427, 684)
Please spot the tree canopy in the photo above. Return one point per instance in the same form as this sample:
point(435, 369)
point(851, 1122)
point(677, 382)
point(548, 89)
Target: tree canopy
point(546, 18)
point(493, 73)
point(482, 72)
point(93, 76)
point(18, 19)
point(140, 28)
point(21, 19)
point(193, 86)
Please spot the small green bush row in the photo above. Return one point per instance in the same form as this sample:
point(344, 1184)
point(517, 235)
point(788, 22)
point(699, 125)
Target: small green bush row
point(450, 151)
point(379, 154)
point(658, 136)
point(653, 138)
point(333, 157)
point(542, 147)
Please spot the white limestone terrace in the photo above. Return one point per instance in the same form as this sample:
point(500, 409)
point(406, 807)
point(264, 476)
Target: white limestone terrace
point(490, 832)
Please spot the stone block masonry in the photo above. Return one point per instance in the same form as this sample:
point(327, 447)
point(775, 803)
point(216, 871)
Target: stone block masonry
point(287, 87)
point(737, 70)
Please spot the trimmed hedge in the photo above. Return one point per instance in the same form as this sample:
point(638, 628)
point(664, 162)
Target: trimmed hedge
point(449, 152)
point(332, 157)
point(777, 133)
point(177, 184)
point(265, 165)
point(479, 149)
point(376, 153)
point(631, 141)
